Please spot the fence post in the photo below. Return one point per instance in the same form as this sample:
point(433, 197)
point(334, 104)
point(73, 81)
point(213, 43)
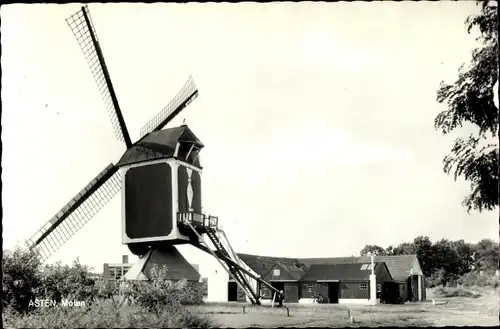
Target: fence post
point(287, 311)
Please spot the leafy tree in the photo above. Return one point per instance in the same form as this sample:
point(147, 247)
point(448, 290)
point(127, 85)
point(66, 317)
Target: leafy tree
point(21, 278)
point(470, 100)
point(160, 295)
point(373, 250)
point(390, 250)
point(464, 251)
point(405, 248)
point(437, 278)
point(447, 262)
point(486, 255)
point(72, 282)
point(446, 259)
point(425, 254)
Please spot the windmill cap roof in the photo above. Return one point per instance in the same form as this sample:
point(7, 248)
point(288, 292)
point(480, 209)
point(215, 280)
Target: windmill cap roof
point(159, 144)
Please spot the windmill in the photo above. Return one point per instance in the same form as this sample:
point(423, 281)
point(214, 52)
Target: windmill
point(159, 177)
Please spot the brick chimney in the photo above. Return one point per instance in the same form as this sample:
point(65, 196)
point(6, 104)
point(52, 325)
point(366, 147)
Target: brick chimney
point(125, 259)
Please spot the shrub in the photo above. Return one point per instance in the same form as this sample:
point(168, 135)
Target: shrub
point(191, 293)
point(441, 278)
point(475, 279)
point(106, 291)
point(160, 293)
point(21, 278)
point(73, 282)
point(204, 283)
point(459, 291)
point(24, 280)
point(99, 315)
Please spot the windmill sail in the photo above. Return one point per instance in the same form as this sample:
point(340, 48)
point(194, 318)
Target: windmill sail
point(185, 96)
point(82, 27)
point(76, 213)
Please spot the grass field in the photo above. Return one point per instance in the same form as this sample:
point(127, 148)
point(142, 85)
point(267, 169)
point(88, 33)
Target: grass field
point(459, 311)
point(480, 310)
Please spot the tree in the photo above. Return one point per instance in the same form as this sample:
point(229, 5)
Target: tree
point(21, 278)
point(72, 282)
point(486, 255)
point(446, 259)
point(405, 248)
point(425, 254)
point(470, 100)
point(373, 250)
point(464, 251)
point(390, 250)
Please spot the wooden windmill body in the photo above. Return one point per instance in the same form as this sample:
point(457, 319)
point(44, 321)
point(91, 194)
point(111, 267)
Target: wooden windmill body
point(161, 179)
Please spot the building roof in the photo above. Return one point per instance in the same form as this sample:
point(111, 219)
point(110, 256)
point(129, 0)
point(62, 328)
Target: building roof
point(292, 272)
point(159, 145)
point(399, 266)
point(295, 270)
point(342, 272)
point(263, 264)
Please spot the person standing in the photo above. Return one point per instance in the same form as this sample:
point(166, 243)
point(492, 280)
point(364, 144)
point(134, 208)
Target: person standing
point(281, 298)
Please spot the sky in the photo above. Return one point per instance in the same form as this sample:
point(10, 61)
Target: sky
point(317, 120)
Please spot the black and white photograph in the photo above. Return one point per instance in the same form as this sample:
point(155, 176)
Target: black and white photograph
point(279, 164)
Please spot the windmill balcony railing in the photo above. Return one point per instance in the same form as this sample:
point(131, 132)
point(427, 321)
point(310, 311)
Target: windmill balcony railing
point(197, 220)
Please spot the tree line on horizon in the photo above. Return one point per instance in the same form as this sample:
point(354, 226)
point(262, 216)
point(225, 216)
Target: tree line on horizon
point(444, 260)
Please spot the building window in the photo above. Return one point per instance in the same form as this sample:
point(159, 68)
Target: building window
point(310, 288)
point(366, 267)
point(379, 287)
point(363, 286)
point(276, 272)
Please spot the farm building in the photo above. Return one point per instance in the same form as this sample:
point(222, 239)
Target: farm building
point(344, 283)
point(404, 269)
point(336, 280)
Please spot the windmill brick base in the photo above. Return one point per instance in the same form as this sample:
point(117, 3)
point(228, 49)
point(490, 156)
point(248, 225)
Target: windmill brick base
point(167, 258)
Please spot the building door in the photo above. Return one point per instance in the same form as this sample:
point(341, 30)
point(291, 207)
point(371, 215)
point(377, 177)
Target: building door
point(409, 289)
point(333, 292)
point(415, 288)
point(278, 285)
point(232, 291)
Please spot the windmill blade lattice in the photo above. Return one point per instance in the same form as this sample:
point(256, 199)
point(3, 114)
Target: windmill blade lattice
point(185, 96)
point(83, 29)
point(76, 213)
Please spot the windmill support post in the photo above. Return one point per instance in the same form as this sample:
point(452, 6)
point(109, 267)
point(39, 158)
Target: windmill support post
point(242, 269)
point(253, 298)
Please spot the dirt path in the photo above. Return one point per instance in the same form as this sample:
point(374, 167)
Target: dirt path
point(456, 311)
point(481, 311)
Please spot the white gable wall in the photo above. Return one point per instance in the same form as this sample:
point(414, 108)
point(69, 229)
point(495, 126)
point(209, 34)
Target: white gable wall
point(217, 284)
point(218, 280)
point(415, 268)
